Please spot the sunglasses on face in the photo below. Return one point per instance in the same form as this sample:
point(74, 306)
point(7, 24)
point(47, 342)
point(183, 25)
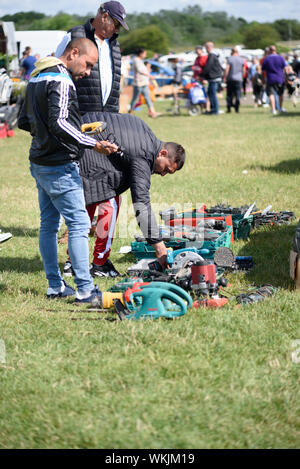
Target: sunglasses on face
point(117, 23)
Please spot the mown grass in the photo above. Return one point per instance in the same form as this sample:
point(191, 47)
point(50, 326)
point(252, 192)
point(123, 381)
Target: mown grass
point(211, 379)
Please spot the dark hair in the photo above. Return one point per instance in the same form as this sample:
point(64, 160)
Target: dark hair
point(176, 153)
point(140, 50)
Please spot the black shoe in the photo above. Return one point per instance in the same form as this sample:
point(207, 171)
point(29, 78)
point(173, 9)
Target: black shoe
point(106, 270)
point(68, 270)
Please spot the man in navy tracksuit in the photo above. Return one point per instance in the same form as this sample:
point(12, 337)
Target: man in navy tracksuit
point(51, 114)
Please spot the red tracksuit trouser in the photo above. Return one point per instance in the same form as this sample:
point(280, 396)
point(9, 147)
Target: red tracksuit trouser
point(108, 212)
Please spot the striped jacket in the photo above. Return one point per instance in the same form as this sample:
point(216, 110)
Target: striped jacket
point(51, 114)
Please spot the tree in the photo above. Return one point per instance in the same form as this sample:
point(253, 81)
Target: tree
point(150, 37)
point(259, 36)
point(288, 29)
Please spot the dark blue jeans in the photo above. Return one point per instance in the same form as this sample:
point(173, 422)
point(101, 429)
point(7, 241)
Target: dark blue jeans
point(233, 94)
point(212, 96)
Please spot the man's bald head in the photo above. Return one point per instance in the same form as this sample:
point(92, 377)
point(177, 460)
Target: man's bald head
point(209, 46)
point(83, 45)
point(80, 56)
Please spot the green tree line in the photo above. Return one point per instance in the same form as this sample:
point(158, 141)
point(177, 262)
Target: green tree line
point(171, 29)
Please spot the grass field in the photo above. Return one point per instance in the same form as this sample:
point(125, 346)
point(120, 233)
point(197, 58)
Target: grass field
point(211, 379)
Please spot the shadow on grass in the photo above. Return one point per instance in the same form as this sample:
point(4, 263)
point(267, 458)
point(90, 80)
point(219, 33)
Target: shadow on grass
point(288, 114)
point(285, 167)
point(20, 231)
point(270, 248)
point(31, 291)
point(21, 264)
point(125, 259)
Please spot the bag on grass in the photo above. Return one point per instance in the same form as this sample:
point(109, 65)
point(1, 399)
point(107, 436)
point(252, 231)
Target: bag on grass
point(197, 95)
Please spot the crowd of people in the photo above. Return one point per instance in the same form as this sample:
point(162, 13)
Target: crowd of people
point(268, 77)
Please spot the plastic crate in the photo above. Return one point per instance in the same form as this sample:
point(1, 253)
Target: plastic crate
point(241, 226)
point(224, 240)
point(143, 250)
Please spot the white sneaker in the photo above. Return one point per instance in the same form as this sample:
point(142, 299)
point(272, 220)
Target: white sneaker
point(221, 112)
point(282, 110)
point(273, 112)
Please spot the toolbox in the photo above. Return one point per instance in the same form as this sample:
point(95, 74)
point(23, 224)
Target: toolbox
point(143, 250)
point(194, 217)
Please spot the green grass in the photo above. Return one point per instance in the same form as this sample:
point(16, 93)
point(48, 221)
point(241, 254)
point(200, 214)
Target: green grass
point(211, 379)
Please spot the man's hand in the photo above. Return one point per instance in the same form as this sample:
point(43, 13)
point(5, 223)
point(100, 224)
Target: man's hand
point(105, 147)
point(161, 254)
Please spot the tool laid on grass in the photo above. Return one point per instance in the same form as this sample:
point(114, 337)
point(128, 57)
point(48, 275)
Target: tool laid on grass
point(4, 237)
point(255, 295)
point(153, 301)
point(225, 258)
point(144, 300)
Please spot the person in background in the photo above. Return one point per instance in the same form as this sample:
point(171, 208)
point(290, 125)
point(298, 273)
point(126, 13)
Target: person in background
point(245, 78)
point(24, 55)
point(233, 77)
point(273, 67)
point(292, 83)
point(178, 64)
point(296, 64)
point(257, 86)
point(253, 68)
point(28, 63)
point(141, 80)
point(199, 63)
point(213, 73)
point(197, 68)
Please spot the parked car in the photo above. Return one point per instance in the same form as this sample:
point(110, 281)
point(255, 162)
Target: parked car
point(161, 74)
point(187, 74)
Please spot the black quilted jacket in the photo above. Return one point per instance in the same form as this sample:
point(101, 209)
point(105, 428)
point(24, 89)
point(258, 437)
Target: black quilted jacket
point(89, 88)
point(105, 177)
point(212, 69)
